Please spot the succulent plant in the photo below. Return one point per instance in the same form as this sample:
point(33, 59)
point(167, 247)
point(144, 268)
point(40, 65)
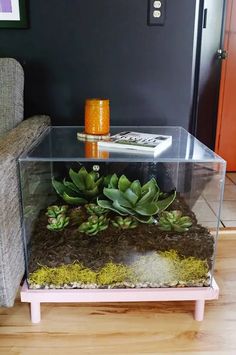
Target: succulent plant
point(82, 188)
point(93, 208)
point(94, 225)
point(124, 223)
point(130, 198)
point(58, 223)
point(54, 211)
point(174, 221)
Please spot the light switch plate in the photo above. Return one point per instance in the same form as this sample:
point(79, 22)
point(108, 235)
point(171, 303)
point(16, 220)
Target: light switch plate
point(156, 12)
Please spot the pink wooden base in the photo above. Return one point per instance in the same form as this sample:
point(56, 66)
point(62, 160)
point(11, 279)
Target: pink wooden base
point(197, 294)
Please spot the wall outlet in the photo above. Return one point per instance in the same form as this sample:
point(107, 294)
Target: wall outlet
point(156, 12)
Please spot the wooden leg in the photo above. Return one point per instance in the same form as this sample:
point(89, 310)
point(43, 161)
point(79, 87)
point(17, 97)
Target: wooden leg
point(199, 310)
point(35, 312)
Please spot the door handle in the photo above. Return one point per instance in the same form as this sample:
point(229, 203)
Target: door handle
point(222, 54)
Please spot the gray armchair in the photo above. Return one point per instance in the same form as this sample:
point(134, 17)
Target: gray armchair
point(16, 136)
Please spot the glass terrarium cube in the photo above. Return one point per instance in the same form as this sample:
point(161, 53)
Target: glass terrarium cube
point(98, 219)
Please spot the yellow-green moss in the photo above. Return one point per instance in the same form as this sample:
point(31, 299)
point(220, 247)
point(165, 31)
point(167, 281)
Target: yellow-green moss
point(188, 269)
point(61, 275)
point(114, 273)
point(40, 276)
point(192, 269)
point(170, 255)
point(111, 273)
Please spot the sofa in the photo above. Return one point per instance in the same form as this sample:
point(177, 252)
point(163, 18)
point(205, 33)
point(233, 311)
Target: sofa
point(16, 135)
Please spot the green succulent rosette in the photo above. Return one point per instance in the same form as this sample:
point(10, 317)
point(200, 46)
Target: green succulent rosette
point(93, 208)
point(174, 221)
point(58, 223)
point(124, 222)
point(94, 225)
point(54, 211)
point(82, 188)
point(131, 198)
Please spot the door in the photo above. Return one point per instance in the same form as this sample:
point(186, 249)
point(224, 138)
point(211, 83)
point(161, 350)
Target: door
point(226, 127)
point(209, 71)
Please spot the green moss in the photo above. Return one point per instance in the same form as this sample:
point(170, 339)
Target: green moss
point(114, 273)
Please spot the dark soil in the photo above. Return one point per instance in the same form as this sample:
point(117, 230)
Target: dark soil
point(120, 246)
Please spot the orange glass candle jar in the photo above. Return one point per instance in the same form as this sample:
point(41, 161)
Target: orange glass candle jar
point(97, 116)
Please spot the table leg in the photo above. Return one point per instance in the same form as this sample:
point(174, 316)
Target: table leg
point(35, 312)
point(199, 310)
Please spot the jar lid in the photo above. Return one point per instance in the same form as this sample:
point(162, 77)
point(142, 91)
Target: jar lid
point(98, 102)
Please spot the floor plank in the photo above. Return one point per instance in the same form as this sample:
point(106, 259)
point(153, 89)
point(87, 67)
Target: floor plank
point(137, 328)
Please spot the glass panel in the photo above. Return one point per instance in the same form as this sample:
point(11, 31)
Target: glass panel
point(114, 233)
point(61, 144)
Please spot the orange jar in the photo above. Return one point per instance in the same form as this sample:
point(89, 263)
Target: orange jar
point(97, 116)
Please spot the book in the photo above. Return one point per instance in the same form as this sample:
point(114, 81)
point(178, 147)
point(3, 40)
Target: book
point(136, 142)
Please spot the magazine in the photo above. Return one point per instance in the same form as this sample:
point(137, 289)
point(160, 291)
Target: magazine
point(136, 142)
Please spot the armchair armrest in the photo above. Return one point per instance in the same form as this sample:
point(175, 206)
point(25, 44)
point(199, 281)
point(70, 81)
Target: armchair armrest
point(17, 140)
point(12, 264)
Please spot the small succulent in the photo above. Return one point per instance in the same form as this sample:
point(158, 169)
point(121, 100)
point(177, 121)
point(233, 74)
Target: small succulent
point(94, 225)
point(93, 208)
point(174, 221)
point(82, 188)
point(131, 198)
point(124, 223)
point(58, 223)
point(54, 211)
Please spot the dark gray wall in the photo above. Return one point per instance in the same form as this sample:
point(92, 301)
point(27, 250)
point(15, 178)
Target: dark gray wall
point(104, 48)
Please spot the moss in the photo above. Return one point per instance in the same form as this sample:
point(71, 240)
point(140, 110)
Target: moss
point(61, 275)
point(114, 273)
point(87, 276)
point(111, 273)
point(187, 269)
point(192, 269)
point(40, 276)
point(171, 255)
point(72, 273)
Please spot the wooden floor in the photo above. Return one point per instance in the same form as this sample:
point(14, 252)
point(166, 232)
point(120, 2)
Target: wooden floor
point(140, 328)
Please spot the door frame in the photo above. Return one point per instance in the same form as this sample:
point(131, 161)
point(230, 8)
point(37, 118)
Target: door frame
point(225, 41)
